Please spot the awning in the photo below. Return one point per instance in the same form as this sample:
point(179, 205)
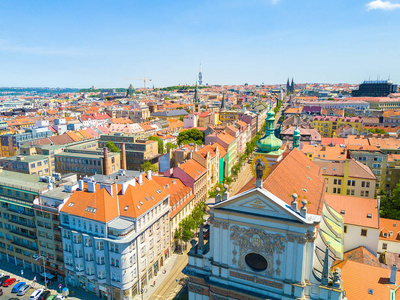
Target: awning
point(48, 276)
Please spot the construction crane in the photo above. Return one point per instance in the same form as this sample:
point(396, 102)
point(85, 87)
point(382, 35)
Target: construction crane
point(144, 82)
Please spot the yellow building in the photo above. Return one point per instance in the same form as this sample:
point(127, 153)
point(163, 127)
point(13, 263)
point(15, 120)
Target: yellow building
point(327, 125)
point(348, 178)
point(228, 116)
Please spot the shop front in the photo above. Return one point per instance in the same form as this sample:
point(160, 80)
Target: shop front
point(155, 267)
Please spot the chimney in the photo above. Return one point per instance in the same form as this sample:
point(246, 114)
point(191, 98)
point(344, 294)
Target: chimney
point(293, 204)
point(123, 156)
point(91, 186)
point(105, 163)
point(393, 272)
point(140, 179)
point(81, 185)
point(149, 174)
point(303, 210)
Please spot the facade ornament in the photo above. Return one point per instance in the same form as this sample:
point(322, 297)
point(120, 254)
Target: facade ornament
point(225, 225)
point(258, 241)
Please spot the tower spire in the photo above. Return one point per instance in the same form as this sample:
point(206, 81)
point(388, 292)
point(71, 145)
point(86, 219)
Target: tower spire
point(223, 105)
point(296, 136)
point(200, 75)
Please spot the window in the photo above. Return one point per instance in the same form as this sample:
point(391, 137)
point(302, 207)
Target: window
point(384, 246)
point(345, 229)
point(363, 232)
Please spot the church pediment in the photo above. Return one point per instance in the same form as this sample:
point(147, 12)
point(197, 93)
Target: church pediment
point(262, 203)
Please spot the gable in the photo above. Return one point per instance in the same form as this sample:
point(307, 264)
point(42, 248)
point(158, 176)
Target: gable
point(262, 203)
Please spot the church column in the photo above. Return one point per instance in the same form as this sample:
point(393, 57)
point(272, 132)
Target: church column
point(301, 259)
point(225, 248)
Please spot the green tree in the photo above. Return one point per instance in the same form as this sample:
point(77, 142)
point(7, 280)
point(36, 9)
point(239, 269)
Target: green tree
point(146, 166)
point(390, 205)
point(160, 143)
point(111, 146)
point(170, 146)
point(193, 135)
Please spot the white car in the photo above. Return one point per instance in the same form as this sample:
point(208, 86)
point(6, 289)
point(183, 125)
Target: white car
point(2, 274)
point(36, 294)
point(60, 297)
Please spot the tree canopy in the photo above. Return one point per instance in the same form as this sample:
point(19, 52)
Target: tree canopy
point(146, 166)
point(189, 136)
point(390, 205)
point(111, 146)
point(170, 146)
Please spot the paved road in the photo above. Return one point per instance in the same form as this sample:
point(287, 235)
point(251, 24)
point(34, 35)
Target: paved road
point(172, 284)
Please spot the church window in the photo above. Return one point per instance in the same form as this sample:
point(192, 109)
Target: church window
point(256, 261)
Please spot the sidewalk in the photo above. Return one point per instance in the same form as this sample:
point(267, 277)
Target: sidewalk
point(28, 277)
point(160, 278)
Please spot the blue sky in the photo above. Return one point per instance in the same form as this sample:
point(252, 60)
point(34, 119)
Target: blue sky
point(84, 43)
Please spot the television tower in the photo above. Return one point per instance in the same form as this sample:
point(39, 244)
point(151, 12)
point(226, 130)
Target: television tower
point(200, 76)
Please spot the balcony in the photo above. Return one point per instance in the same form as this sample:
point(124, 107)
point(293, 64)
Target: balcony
point(25, 246)
point(29, 236)
point(23, 223)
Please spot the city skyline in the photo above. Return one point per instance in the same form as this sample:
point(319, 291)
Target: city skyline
point(79, 44)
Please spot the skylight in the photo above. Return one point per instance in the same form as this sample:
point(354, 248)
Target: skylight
point(88, 208)
point(152, 198)
point(71, 204)
point(94, 210)
point(146, 198)
point(126, 208)
point(141, 202)
point(138, 206)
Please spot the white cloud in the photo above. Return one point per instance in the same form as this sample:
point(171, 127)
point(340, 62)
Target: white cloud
point(384, 5)
point(275, 1)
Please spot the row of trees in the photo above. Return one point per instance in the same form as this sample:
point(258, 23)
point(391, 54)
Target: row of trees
point(189, 225)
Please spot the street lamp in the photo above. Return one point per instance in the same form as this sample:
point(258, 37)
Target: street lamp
point(44, 267)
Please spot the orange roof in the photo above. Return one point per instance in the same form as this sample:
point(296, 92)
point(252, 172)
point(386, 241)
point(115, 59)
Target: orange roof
point(393, 157)
point(177, 191)
point(295, 173)
point(74, 136)
point(136, 201)
point(389, 226)
point(361, 279)
point(364, 256)
point(333, 153)
point(193, 169)
point(356, 211)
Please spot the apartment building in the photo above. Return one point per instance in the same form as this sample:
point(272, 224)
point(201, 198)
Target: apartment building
point(115, 235)
point(18, 231)
point(350, 178)
point(375, 159)
point(27, 164)
point(181, 204)
point(10, 143)
point(327, 125)
point(137, 150)
point(87, 162)
point(47, 217)
point(193, 175)
point(209, 158)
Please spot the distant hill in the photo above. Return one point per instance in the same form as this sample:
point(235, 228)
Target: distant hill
point(35, 90)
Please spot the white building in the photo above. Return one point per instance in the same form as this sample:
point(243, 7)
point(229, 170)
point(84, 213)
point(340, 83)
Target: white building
point(115, 235)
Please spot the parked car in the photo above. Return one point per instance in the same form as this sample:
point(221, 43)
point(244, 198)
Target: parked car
point(17, 287)
point(44, 295)
point(4, 278)
point(24, 289)
point(2, 274)
point(60, 297)
point(35, 295)
point(9, 282)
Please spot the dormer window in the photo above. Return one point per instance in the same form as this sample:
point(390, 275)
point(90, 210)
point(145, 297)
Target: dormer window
point(369, 216)
point(342, 212)
point(385, 234)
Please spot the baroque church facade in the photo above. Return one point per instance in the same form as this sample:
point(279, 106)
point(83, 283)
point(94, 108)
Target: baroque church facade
point(276, 239)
